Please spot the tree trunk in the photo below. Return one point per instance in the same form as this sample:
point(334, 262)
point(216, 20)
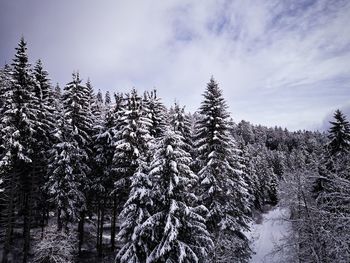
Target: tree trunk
point(59, 221)
point(101, 232)
point(113, 223)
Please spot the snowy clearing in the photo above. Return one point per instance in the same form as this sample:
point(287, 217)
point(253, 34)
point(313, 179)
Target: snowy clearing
point(267, 234)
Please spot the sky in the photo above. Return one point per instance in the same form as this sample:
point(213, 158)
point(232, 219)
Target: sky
point(278, 62)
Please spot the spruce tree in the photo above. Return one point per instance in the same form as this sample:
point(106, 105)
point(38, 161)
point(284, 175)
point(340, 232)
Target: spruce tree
point(76, 100)
point(137, 242)
point(67, 175)
point(336, 152)
point(131, 141)
point(20, 121)
point(339, 134)
point(8, 176)
point(222, 188)
point(98, 109)
point(46, 123)
point(104, 176)
point(181, 124)
point(108, 99)
point(156, 112)
point(77, 109)
point(114, 124)
point(177, 224)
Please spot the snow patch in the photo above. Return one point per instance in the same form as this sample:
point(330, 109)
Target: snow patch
point(265, 236)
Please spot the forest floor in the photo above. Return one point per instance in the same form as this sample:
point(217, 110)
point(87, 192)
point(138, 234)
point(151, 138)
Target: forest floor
point(268, 233)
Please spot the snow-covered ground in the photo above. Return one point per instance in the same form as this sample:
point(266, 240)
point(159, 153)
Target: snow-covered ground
point(267, 233)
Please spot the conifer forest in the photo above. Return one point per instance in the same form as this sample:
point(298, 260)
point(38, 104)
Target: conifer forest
point(120, 177)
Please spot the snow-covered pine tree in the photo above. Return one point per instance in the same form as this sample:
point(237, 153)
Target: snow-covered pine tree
point(99, 97)
point(181, 123)
point(177, 225)
point(222, 188)
point(244, 129)
point(336, 151)
point(339, 134)
point(156, 112)
point(46, 123)
point(115, 124)
point(137, 242)
point(98, 106)
point(57, 91)
point(76, 102)
point(5, 103)
point(131, 140)
point(332, 192)
point(108, 99)
point(20, 122)
point(249, 173)
point(265, 186)
point(102, 182)
point(67, 173)
point(7, 179)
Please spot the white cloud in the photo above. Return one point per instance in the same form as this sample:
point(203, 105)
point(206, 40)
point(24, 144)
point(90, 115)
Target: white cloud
point(259, 51)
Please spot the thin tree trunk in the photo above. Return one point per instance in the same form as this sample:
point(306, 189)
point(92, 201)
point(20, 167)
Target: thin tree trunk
point(59, 221)
point(113, 223)
point(42, 222)
point(101, 232)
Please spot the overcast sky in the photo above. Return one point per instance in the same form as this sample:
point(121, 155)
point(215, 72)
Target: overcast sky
point(283, 63)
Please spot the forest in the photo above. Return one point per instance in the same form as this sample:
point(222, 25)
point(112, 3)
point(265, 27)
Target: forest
point(120, 177)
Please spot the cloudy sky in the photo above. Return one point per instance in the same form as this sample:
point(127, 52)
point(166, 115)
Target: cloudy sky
point(283, 62)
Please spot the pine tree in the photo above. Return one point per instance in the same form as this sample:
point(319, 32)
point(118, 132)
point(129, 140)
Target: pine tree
point(104, 176)
point(98, 106)
point(21, 124)
point(77, 109)
point(108, 98)
point(57, 91)
point(177, 225)
point(76, 99)
point(136, 239)
point(249, 174)
point(266, 184)
point(8, 177)
point(5, 103)
point(156, 112)
point(114, 124)
point(222, 188)
point(181, 124)
point(46, 116)
point(67, 169)
point(339, 134)
point(336, 152)
point(131, 141)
